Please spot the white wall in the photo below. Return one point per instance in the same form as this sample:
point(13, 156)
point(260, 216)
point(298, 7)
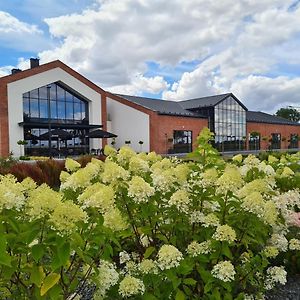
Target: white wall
point(129, 124)
point(15, 102)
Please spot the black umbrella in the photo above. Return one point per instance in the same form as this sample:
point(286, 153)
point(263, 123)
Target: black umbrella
point(56, 134)
point(29, 136)
point(100, 134)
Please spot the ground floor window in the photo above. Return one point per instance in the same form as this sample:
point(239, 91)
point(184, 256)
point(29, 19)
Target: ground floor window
point(294, 141)
point(64, 142)
point(254, 141)
point(275, 141)
point(182, 141)
point(229, 143)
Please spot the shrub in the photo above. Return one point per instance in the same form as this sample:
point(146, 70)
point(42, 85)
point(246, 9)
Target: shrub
point(147, 227)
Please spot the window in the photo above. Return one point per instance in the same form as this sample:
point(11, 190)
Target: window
point(182, 141)
point(254, 141)
point(294, 141)
point(230, 125)
point(65, 107)
point(56, 103)
point(275, 141)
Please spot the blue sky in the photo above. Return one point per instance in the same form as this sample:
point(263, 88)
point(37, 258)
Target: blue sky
point(172, 51)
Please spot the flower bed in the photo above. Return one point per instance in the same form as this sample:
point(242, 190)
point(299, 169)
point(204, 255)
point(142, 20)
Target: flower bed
point(147, 227)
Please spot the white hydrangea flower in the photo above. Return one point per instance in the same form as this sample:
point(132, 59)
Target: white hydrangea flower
point(181, 200)
point(194, 248)
point(107, 277)
point(224, 233)
point(131, 286)
point(224, 271)
point(169, 257)
point(294, 244)
point(279, 241)
point(148, 266)
point(275, 275)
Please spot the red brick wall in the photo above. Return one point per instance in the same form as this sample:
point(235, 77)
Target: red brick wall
point(4, 146)
point(266, 130)
point(162, 127)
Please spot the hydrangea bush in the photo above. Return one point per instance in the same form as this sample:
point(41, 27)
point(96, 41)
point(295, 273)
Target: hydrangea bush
point(141, 226)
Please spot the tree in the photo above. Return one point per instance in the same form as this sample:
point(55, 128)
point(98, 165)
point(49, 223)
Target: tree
point(289, 113)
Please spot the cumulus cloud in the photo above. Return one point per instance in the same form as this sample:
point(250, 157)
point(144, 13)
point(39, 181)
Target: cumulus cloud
point(20, 35)
point(239, 46)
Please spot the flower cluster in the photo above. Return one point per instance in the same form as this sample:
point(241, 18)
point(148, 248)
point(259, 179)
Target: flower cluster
point(275, 275)
point(140, 190)
point(224, 233)
point(131, 286)
point(224, 271)
point(169, 257)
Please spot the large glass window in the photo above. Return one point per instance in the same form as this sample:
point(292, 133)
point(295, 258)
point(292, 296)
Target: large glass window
point(230, 125)
point(60, 106)
point(56, 102)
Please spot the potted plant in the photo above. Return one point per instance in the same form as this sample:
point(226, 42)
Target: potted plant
point(21, 143)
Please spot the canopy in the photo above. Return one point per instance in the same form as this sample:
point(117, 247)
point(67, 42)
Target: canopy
point(100, 134)
point(56, 134)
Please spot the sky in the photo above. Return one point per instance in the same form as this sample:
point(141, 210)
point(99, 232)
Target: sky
point(173, 50)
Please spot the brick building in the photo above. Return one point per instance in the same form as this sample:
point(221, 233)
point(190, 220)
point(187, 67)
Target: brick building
point(58, 111)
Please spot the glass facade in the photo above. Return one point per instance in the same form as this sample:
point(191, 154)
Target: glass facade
point(54, 102)
point(49, 113)
point(229, 125)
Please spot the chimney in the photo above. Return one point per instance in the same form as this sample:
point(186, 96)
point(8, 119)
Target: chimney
point(15, 71)
point(34, 62)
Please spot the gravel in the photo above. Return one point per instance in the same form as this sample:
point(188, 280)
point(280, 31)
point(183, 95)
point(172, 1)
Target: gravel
point(290, 291)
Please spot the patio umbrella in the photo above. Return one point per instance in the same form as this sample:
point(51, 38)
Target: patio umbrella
point(100, 134)
point(30, 136)
point(56, 134)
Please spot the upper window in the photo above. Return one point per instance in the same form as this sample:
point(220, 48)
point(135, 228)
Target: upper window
point(54, 102)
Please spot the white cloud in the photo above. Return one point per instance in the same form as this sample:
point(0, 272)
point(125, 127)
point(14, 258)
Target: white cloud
point(152, 85)
point(19, 35)
point(240, 46)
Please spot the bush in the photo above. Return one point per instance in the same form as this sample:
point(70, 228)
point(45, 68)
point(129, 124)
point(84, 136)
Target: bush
point(141, 226)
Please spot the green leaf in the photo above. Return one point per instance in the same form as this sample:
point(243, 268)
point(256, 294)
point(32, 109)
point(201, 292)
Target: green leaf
point(64, 253)
point(37, 252)
point(50, 281)
point(226, 251)
point(148, 252)
point(180, 295)
point(37, 275)
point(5, 259)
point(216, 294)
point(149, 297)
point(189, 281)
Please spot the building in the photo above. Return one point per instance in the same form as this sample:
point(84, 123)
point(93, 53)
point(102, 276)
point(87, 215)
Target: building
point(57, 111)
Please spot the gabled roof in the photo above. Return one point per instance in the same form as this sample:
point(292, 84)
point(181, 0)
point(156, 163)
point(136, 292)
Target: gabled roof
point(208, 101)
point(261, 117)
point(46, 67)
point(163, 107)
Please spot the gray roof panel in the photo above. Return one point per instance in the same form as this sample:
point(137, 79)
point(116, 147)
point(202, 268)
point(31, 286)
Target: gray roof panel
point(261, 117)
point(163, 107)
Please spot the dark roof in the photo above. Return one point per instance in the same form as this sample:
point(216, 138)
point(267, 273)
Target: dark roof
point(208, 101)
point(203, 101)
point(163, 107)
point(261, 117)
